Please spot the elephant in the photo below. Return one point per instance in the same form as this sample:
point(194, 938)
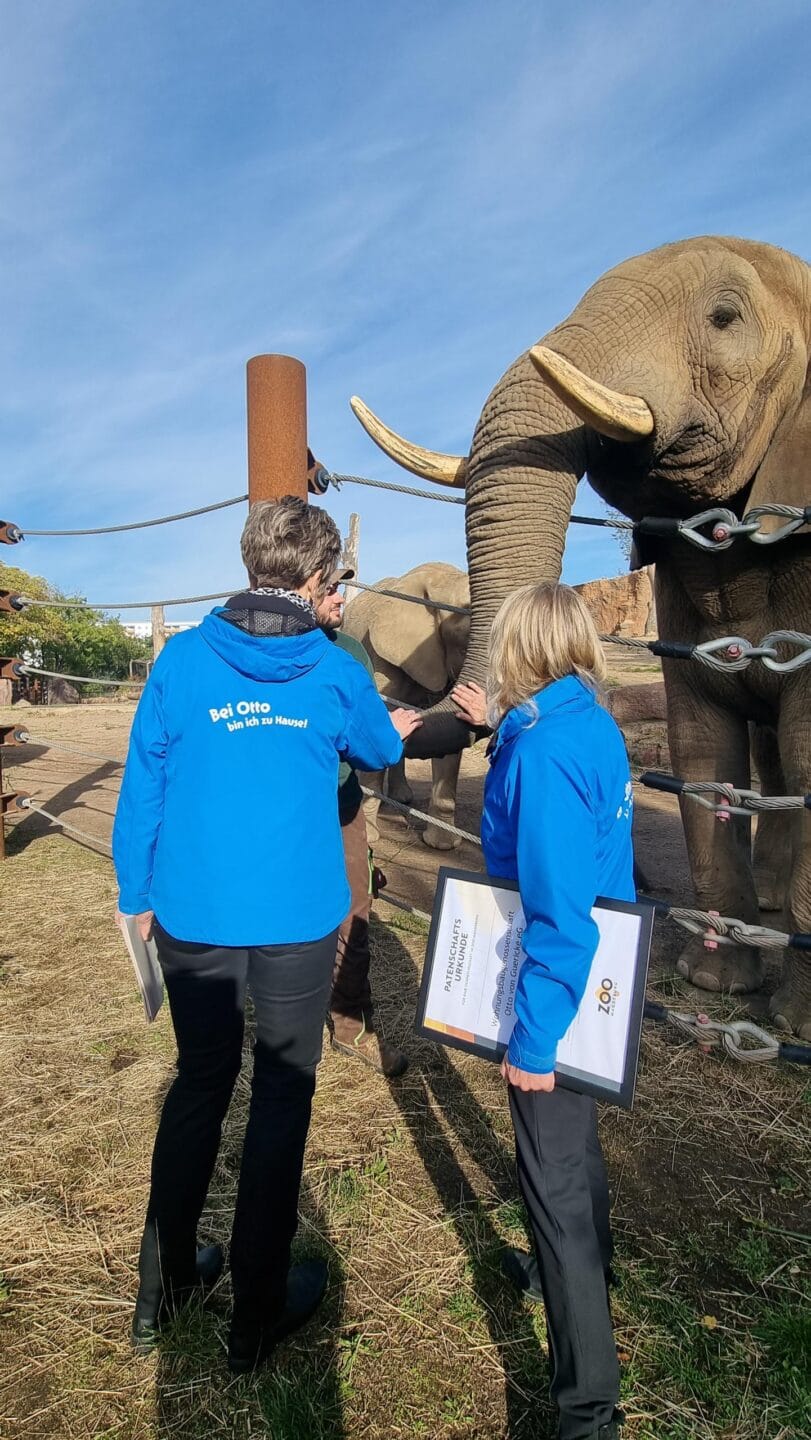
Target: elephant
point(416, 653)
point(679, 383)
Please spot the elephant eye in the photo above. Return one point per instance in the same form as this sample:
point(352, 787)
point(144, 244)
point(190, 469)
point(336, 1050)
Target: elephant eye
point(724, 316)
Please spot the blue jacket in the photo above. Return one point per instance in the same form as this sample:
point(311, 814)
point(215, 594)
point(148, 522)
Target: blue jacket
point(558, 805)
point(227, 824)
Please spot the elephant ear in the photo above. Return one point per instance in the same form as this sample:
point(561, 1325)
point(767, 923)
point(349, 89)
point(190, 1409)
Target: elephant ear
point(783, 475)
point(408, 636)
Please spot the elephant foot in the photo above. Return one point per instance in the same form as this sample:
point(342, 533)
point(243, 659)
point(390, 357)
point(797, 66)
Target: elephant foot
point(403, 794)
point(790, 1012)
point(437, 839)
point(770, 890)
point(732, 968)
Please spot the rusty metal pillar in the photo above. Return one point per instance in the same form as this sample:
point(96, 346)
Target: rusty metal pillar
point(277, 428)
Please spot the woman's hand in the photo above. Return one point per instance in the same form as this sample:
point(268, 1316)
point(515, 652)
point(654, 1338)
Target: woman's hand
point(143, 921)
point(405, 721)
point(471, 703)
point(524, 1079)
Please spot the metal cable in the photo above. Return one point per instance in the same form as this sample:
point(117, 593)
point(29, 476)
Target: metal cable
point(734, 800)
point(628, 641)
point(724, 929)
point(25, 601)
point(727, 527)
point(725, 653)
point(412, 599)
point(138, 524)
point(403, 905)
point(699, 1027)
point(33, 809)
point(727, 930)
point(79, 679)
point(338, 480)
point(709, 1033)
point(22, 737)
point(420, 815)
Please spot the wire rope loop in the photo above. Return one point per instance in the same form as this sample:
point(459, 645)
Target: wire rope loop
point(795, 516)
point(723, 521)
point(732, 652)
point(766, 1050)
point(786, 637)
point(699, 922)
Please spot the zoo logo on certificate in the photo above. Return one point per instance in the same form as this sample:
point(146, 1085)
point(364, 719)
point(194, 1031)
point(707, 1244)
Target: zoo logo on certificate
point(474, 958)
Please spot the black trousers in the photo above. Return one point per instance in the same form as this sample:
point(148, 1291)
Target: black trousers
point(562, 1176)
point(206, 987)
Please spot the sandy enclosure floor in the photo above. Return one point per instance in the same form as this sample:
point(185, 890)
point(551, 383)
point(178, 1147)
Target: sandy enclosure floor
point(409, 1189)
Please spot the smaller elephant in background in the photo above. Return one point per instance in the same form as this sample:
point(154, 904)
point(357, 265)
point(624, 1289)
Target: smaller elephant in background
point(417, 654)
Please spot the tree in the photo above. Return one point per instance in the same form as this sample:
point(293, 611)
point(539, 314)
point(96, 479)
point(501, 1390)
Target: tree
point(624, 538)
point(74, 642)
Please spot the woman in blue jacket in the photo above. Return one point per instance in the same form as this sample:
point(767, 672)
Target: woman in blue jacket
point(557, 819)
point(227, 841)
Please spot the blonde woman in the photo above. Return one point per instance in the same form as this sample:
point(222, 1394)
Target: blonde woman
point(557, 819)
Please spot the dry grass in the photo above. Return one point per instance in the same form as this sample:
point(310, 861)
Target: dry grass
point(409, 1192)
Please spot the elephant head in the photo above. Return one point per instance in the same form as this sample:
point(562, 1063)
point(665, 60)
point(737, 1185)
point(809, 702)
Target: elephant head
point(427, 644)
point(680, 380)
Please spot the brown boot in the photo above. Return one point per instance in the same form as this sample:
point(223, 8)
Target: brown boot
point(354, 1037)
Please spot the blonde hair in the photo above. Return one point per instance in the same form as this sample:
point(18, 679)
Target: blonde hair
point(540, 634)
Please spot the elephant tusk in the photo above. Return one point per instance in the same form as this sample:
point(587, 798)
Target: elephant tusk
point(621, 417)
point(430, 464)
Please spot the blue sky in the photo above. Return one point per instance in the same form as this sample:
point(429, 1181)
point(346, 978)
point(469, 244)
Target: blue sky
point(404, 196)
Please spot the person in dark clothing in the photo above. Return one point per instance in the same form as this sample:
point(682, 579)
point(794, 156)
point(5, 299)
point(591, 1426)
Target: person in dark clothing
point(352, 1024)
point(258, 695)
point(557, 819)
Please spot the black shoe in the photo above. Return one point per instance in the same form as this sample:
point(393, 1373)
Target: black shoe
point(611, 1431)
point(152, 1307)
point(306, 1283)
point(521, 1270)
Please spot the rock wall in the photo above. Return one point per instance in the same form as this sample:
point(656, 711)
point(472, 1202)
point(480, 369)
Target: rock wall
point(622, 605)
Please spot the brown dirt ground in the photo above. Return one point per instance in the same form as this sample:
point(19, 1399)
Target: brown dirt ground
point(409, 1186)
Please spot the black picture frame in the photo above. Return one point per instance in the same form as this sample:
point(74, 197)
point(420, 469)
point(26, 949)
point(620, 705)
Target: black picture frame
point(587, 1084)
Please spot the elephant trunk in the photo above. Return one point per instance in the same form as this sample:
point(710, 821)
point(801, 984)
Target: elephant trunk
point(527, 456)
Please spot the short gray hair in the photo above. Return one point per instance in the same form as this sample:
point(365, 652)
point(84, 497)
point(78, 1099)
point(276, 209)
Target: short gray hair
point(287, 541)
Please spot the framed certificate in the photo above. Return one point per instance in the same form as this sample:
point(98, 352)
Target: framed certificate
point(471, 973)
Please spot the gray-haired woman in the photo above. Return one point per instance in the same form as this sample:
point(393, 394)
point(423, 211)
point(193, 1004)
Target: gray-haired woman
point(258, 695)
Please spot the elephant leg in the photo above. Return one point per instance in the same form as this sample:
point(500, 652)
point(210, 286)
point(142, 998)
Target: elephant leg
point(445, 776)
point(372, 780)
point(709, 742)
point(774, 835)
point(398, 787)
point(791, 1004)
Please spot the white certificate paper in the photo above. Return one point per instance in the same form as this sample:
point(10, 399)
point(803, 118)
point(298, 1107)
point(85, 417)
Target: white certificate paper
point(145, 963)
point(474, 959)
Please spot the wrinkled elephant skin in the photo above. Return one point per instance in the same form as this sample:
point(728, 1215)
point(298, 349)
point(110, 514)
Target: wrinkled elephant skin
point(417, 653)
point(679, 382)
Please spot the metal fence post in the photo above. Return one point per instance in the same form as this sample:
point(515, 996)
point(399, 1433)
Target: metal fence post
point(158, 630)
point(277, 428)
